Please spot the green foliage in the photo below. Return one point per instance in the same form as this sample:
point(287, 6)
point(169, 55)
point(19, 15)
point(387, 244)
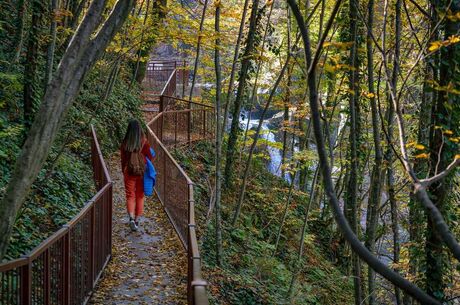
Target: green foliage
point(109, 116)
point(251, 273)
point(53, 201)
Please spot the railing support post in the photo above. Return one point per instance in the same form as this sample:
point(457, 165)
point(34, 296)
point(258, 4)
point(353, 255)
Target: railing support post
point(175, 128)
point(47, 276)
point(66, 268)
point(110, 214)
point(189, 123)
point(92, 251)
point(204, 123)
point(26, 284)
point(184, 80)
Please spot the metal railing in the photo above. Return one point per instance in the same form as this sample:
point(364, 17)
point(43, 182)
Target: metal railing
point(179, 122)
point(175, 191)
point(65, 268)
point(161, 72)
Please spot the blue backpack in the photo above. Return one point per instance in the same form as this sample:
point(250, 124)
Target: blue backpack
point(150, 176)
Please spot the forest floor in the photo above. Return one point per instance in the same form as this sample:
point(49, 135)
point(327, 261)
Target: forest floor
point(147, 267)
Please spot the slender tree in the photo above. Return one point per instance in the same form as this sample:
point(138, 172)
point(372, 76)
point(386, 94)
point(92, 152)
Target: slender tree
point(236, 55)
point(52, 41)
point(446, 114)
point(352, 204)
point(19, 35)
point(234, 131)
point(219, 126)
point(31, 77)
point(198, 49)
point(376, 175)
point(389, 154)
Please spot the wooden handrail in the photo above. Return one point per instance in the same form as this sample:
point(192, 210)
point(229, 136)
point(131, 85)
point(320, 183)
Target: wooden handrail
point(187, 101)
point(173, 75)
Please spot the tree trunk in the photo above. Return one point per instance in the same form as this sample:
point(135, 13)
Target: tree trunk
point(31, 64)
point(218, 137)
point(198, 49)
point(141, 51)
point(234, 131)
point(376, 176)
point(351, 201)
point(259, 63)
point(52, 43)
point(389, 157)
point(236, 55)
point(303, 232)
point(446, 108)
point(285, 211)
point(19, 35)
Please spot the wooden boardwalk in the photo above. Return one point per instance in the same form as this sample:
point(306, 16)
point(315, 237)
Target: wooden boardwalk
point(147, 267)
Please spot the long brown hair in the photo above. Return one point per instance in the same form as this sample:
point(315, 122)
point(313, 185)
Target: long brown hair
point(133, 137)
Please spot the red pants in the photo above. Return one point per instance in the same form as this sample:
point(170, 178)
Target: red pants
point(134, 188)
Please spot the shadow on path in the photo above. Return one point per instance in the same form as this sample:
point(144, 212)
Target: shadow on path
point(147, 267)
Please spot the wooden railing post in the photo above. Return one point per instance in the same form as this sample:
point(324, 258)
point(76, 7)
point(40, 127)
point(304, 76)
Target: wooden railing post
point(66, 267)
point(189, 123)
point(26, 283)
point(175, 128)
point(204, 123)
point(161, 103)
point(184, 80)
point(47, 276)
point(189, 269)
point(164, 178)
point(92, 251)
point(110, 215)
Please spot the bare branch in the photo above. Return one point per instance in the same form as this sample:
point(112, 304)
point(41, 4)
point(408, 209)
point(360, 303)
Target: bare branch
point(429, 181)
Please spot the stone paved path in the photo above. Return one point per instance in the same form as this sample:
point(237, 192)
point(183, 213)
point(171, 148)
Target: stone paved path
point(147, 267)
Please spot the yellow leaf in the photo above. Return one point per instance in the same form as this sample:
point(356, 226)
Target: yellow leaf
point(422, 156)
point(435, 45)
point(448, 132)
point(454, 39)
point(419, 146)
point(457, 157)
point(370, 95)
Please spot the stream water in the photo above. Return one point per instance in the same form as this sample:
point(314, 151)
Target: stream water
point(275, 154)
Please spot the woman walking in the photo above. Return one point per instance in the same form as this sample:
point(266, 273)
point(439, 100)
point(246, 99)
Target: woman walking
point(134, 151)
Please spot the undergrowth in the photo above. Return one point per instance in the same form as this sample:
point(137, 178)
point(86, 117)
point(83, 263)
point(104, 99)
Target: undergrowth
point(252, 273)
